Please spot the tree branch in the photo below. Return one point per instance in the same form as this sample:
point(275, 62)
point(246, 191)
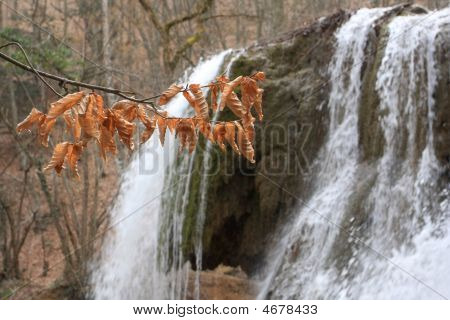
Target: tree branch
point(202, 8)
point(30, 65)
point(151, 13)
point(233, 15)
point(64, 81)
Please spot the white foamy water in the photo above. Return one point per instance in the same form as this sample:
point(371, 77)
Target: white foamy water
point(401, 249)
point(130, 267)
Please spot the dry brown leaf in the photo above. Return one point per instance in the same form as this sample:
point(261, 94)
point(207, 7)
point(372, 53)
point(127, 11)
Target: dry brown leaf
point(86, 117)
point(219, 133)
point(258, 104)
point(57, 160)
point(185, 132)
point(200, 104)
point(172, 124)
point(76, 128)
point(89, 122)
point(244, 144)
point(109, 122)
point(34, 118)
point(249, 89)
point(230, 136)
point(68, 120)
point(190, 99)
point(228, 89)
point(169, 93)
point(81, 106)
point(125, 129)
point(162, 126)
point(205, 128)
point(74, 151)
point(100, 106)
point(221, 81)
point(147, 134)
point(72, 124)
point(214, 95)
point(148, 121)
point(91, 105)
point(106, 142)
point(44, 129)
point(126, 109)
point(248, 124)
point(59, 107)
point(259, 76)
point(235, 105)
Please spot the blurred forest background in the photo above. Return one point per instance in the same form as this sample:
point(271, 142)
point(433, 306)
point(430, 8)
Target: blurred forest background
point(50, 228)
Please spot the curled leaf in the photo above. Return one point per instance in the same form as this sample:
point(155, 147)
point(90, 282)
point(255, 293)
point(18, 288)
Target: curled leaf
point(235, 105)
point(72, 123)
point(205, 128)
point(258, 104)
point(200, 104)
point(169, 93)
point(259, 76)
point(230, 134)
point(100, 106)
point(190, 99)
point(106, 142)
point(74, 151)
point(81, 106)
point(249, 89)
point(228, 89)
point(126, 109)
point(221, 81)
point(172, 124)
point(185, 131)
point(245, 147)
point(149, 123)
point(214, 95)
point(125, 129)
point(57, 160)
point(219, 133)
point(249, 128)
point(34, 118)
point(89, 122)
point(59, 107)
point(162, 126)
point(44, 130)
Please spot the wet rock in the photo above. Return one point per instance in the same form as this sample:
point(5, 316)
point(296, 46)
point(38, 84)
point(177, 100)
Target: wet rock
point(223, 283)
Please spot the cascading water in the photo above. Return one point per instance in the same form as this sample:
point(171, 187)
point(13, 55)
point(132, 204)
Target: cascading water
point(201, 215)
point(138, 261)
point(401, 250)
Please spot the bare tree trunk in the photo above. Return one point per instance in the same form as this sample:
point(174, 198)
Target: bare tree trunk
point(106, 47)
point(66, 18)
point(12, 96)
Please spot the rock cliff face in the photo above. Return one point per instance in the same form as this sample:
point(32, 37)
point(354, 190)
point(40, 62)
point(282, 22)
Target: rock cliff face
point(244, 208)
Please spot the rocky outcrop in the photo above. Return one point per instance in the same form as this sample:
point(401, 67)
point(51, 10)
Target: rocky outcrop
point(243, 207)
point(222, 283)
point(248, 203)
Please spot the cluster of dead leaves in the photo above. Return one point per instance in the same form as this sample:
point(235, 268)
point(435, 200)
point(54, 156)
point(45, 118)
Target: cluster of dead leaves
point(86, 118)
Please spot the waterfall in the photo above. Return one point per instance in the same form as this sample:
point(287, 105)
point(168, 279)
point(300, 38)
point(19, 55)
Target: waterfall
point(201, 215)
point(382, 229)
point(137, 260)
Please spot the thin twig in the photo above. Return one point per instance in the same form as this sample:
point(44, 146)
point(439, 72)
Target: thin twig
point(64, 81)
point(31, 65)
